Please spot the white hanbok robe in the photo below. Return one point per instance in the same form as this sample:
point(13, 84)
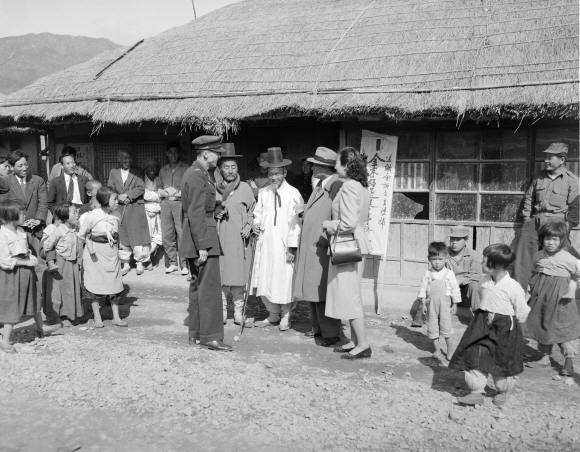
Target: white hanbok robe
point(272, 275)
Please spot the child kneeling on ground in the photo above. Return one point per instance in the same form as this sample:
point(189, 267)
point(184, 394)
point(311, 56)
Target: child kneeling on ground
point(493, 341)
point(439, 294)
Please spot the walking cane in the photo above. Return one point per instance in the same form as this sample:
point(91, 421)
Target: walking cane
point(248, 285)
point(123, 213)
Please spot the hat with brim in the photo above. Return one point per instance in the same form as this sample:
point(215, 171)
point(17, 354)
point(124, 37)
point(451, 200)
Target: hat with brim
point(323, 156)
point(275, 159)
point(229, 152)
point(557, 148)
point(459, 231)
point(208, 143)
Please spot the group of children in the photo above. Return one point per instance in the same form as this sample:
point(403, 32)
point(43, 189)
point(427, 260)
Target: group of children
point(492, 345)
point(82, 254)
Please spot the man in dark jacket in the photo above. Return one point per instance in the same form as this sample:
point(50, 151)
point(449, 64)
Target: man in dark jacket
point(303, 182)
point(68, 187)
point(200, 245)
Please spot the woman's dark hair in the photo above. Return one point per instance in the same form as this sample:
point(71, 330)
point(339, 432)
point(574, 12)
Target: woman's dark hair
point(437, 248)
point(16, 155)
point(174, 144)
point(355, 164)
point(104, 195)
point(499, 256)
point(62, 211)
point(10, 210)
point(554, 229)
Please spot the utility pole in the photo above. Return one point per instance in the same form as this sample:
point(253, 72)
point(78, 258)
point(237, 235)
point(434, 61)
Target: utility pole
point(194, 13)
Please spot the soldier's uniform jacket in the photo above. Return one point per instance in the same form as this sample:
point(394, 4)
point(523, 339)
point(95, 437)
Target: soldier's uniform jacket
point(198, 196)
point(556, 197)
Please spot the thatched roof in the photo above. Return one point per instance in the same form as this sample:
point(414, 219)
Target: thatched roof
point(272, 58)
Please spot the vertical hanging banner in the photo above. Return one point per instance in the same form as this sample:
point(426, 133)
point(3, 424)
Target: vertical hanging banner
point(381, 152)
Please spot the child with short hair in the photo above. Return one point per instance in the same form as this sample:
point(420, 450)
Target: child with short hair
point(439, 294)
point(18, 296)
point(91, 187)
point(493, 341)
point(62, 298)
point(554, 318)
point(50, 257)
point(101, 263)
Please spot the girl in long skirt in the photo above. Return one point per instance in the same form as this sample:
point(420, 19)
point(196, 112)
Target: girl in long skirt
point(554, 318)
point(18, 296)
point(493, 341)
point(62, 298)
point(101, 264)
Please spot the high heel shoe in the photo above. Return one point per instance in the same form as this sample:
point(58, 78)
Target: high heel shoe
point(366, 353)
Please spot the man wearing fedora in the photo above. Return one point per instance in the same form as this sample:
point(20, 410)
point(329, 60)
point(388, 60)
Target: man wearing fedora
point(200, 245)
point(235, 217)
point(312, 259)
point(552, 196)
point(276, 222)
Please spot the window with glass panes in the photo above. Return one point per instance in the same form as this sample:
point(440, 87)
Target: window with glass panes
point(480, 175)
point(412, 176)
point(547, 135)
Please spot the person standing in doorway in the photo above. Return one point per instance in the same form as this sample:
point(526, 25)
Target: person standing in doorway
point(201, 246)
point(303, 182)
point(466, 265)
point(133, 226)
point(312, 259)
point(169, 189)
point(552, 196)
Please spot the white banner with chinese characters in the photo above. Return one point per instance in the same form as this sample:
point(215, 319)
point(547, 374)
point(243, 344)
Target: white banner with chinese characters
point(381, 152)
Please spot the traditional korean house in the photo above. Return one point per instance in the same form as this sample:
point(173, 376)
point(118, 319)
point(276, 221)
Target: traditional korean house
point(474, 89)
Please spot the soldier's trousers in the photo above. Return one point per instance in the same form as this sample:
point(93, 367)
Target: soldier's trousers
point(205, 301)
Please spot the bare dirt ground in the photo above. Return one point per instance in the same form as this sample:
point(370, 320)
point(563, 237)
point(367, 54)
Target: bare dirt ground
point(143, 388)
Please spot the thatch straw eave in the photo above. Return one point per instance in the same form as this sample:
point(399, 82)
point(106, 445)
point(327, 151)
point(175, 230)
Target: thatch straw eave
point(267, 58)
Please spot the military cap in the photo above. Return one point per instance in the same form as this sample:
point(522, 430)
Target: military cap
point(557, 148)
point(208, 143)
point(459, 231)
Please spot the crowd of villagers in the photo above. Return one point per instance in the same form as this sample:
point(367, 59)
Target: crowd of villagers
point(94, 230)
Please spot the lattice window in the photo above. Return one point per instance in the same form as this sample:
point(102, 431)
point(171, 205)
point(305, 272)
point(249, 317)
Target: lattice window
point(108, 157)
point(145, 150)
point(481, 175)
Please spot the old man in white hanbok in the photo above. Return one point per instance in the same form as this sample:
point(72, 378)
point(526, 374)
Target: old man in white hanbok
point(276, 222)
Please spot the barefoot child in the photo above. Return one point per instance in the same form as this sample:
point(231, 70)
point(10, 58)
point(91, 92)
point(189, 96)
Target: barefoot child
point(18, 296)
point(493, 341)
point(101, 264)
point(554, 318)
point(439, 293)
point(62, 294)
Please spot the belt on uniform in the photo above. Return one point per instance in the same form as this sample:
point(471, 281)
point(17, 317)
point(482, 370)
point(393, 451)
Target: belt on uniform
point(173, 198)
point(551, 214)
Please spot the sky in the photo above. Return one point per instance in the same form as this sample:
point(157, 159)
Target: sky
point(122, 21)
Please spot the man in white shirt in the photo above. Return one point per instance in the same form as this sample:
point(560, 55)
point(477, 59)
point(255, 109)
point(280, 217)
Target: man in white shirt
point(68, 187)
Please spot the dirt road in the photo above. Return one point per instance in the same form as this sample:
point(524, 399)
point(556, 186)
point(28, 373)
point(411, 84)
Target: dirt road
point(143, 388)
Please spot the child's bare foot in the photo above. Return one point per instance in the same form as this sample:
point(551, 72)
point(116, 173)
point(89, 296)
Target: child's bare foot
point(52, 267)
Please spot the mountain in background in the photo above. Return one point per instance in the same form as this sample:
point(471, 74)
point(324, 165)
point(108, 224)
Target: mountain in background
point(24, 59)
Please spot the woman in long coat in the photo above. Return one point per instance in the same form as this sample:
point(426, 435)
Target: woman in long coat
point(350, 210)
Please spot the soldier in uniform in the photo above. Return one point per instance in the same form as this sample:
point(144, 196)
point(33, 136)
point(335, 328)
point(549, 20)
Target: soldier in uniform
point(200, 245)
point(553, 196)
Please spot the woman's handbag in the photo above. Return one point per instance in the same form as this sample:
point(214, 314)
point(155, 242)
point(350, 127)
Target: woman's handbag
point(345, 252)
